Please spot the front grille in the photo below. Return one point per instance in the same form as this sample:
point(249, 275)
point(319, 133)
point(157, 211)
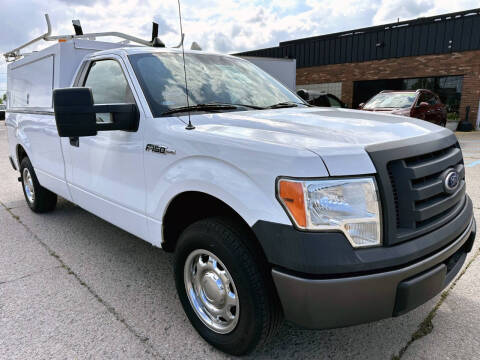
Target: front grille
point(411, 181)
point(419, 179)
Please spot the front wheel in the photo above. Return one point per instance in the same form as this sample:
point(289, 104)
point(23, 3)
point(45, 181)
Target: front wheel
point(224, 287)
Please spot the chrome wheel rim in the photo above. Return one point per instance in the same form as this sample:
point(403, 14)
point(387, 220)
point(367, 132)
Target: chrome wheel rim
point(28, 186)
point(211, 291)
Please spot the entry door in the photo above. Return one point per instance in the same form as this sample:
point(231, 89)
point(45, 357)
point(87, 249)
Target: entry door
point(106, 175)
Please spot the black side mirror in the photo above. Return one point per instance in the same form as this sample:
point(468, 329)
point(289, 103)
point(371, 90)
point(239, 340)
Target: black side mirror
point(75, 114)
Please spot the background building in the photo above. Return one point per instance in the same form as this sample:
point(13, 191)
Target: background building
point(440, 53)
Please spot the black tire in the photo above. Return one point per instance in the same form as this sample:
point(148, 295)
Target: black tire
point(44, 200)
point(259, 310)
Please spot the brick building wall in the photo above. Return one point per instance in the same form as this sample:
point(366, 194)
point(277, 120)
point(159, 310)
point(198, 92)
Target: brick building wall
point(456, 63)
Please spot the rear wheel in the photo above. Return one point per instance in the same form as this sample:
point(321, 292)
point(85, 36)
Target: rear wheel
point(38, 198)
point(224, 286)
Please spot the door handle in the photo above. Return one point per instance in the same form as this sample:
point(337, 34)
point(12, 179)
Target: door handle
point(75, 141)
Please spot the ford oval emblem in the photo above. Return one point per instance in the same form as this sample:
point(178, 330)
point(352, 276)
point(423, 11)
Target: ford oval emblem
point(452, 180)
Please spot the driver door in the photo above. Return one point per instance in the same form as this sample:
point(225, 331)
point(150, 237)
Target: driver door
point(106, 175)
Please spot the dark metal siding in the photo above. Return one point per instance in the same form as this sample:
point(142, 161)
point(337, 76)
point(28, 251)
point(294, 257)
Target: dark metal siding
point(424, 36)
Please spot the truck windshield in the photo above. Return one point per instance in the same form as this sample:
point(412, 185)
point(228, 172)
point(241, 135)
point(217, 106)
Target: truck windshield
point(391, 100)
point(212, 79)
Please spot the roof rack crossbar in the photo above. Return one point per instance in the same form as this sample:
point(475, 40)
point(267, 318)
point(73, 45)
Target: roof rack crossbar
point(15, 54)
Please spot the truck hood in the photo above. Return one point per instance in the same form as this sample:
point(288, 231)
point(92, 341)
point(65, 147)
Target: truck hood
point(338, 136)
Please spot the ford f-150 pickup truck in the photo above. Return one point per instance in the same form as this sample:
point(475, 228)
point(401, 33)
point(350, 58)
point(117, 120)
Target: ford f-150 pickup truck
point(274, 209)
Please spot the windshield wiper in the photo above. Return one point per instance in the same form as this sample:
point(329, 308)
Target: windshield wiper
point(211, 107)
point(200, 107)
point(250, 106)
point(286, 104)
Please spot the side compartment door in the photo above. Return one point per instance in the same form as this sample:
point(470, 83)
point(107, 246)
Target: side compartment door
point(106, 173)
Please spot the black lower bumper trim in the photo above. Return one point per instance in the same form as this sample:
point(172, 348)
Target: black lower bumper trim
point(338, 302)
point(328, 254)
point(414, 292)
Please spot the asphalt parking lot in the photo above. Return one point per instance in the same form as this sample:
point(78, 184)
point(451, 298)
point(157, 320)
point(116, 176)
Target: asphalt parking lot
point(74, 286)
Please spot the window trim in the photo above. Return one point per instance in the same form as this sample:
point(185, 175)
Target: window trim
point(85, 71)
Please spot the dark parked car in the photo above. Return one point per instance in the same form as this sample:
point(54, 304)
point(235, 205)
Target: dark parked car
point(2, 112)
point(320, 98)
point(421, 104)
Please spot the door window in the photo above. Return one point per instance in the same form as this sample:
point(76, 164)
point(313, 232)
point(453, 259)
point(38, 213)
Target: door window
point(109, 86)
point(431, 99)
point(424, 97)
point(334, 102)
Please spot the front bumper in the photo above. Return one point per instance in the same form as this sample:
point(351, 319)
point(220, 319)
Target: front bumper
point(349, 300)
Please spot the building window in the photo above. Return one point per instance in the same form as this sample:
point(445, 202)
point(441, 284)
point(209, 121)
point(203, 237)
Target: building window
point(448, 88)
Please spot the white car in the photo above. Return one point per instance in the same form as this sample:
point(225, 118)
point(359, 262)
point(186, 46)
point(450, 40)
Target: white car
point(274, 209)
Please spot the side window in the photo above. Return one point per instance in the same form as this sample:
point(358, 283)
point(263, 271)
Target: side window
point(432, 100)
point(424, 97)
point(109, 85)
point(334, 102)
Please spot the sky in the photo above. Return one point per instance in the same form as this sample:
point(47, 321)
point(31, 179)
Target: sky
point(223, 26)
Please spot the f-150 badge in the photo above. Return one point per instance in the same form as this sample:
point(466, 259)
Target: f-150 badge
point(159, 149)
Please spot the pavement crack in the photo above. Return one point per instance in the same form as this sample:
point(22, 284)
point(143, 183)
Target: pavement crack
point(426, 326)
point(145, 340)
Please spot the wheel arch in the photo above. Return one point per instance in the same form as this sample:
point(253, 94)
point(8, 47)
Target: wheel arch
point(191, 206)
point(20, 153)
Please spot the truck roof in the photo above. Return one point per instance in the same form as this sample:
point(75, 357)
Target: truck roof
point(145, 49)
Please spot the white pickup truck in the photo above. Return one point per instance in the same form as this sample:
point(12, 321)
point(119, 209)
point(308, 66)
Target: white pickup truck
point(274, 209)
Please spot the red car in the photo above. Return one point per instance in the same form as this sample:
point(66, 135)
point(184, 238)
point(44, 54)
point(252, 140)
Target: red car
point(421, 104)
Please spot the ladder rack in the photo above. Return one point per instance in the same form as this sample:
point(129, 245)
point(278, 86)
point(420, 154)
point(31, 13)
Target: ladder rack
point(15, 54)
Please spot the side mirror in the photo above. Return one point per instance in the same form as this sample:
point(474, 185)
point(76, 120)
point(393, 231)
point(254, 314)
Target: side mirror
point(303, 94)
point(361, 105)
point(75, 114)
point(423, 104)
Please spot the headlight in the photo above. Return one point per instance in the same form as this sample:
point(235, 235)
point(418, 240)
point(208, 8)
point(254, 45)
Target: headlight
point(348, 205)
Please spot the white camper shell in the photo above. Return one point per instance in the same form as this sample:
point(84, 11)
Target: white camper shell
point(31, 80)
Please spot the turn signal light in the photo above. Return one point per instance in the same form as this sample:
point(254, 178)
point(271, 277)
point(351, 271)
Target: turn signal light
point(292, 196)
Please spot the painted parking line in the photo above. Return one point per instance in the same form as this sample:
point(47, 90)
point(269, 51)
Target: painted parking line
point(475, 163)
